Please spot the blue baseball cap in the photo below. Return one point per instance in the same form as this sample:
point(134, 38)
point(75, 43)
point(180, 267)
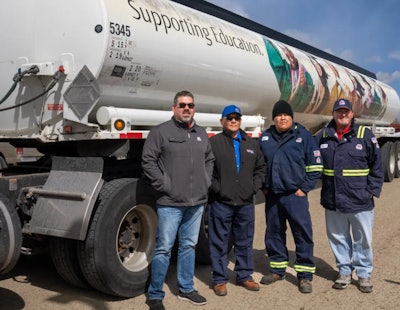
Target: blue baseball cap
point(230, 109)
point(342, 104)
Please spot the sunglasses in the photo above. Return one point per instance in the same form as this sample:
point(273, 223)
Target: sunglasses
point(182, 105)
point(236, 118)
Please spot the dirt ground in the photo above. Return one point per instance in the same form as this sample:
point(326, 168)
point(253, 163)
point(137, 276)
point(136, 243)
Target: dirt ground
point(34, 283)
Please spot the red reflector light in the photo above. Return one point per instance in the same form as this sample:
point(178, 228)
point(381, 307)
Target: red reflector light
point(131, 135)
point(67, 128)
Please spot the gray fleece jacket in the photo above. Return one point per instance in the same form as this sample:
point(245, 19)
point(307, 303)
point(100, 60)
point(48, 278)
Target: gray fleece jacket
point(179, 162)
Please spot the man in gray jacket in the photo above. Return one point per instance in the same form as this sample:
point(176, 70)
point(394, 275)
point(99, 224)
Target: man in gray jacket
point(178, 160)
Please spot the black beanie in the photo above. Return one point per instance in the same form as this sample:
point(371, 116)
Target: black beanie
point(282, 107)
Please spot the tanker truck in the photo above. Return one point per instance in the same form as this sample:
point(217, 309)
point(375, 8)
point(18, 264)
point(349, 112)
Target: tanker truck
point(83, 82)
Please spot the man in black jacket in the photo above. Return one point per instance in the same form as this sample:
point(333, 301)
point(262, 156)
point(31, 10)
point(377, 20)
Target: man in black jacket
point(239, 172)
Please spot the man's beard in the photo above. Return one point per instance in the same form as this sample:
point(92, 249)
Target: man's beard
point(186, 118)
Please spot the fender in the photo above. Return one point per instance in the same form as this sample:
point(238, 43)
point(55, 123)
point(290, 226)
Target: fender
point(65, 202)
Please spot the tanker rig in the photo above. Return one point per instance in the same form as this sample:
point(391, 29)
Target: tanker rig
point(83, 82)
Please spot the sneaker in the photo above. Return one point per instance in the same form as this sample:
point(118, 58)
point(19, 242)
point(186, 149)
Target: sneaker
point(156, 304)
point(193, 297)
point(305, 286)
point(342, 281)
point(365, 285)
point(271, 278)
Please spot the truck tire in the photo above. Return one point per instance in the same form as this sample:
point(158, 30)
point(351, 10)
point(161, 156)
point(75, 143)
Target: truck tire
point(397, 159)
point(202, 248)
point(3, 163)
point(65, 259)
point(389, 162)
point(120, 242)
point(10, 236)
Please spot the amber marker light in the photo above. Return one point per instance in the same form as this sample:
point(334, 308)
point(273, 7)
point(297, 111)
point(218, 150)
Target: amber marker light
point(119, 124)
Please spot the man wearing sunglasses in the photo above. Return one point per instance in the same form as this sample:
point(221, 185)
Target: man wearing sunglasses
point(239, 172)
point(178, 160)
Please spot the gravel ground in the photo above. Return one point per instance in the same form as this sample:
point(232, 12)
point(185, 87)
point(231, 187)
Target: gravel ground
point(34, 283)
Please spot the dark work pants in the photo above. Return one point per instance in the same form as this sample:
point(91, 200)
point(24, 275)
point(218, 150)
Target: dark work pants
point(295, 210)
point(222, 219)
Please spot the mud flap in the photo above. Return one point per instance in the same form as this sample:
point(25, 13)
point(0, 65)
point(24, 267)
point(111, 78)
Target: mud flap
point(66, 200)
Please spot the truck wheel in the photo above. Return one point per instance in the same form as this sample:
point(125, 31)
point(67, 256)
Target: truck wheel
point(10, 236)
point(202, 248)
point(3, 163)
point(65, 259)
point(397, 159)
point(389, 162)
point(120, 242)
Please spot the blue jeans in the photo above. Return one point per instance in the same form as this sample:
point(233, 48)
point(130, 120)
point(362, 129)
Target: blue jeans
point(172, 220)
point(350, 238)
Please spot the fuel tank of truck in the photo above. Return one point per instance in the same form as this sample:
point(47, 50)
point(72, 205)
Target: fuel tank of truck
point(140, 53)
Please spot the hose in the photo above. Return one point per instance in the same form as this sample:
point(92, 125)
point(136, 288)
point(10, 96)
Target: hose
point(18, 77)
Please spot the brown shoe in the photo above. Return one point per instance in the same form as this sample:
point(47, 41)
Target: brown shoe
point(251, 285)
point(305, 286)
point(220, 289)
point(272, 278)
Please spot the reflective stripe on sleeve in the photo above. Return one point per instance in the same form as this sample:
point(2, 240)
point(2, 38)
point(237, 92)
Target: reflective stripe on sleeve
point(328, 172)
point(314, 168)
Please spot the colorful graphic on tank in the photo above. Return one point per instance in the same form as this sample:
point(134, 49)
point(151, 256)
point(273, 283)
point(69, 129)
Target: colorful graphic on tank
point(312, 85)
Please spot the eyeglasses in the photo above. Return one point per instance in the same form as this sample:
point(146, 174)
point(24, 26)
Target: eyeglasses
point(183, 105)
point(236, 118)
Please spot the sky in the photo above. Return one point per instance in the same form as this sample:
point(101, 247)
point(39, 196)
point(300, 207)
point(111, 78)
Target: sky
point(364, 32)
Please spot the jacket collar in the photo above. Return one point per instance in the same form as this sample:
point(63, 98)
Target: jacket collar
point(227, 133)
point(184, 125)
point(332, 129)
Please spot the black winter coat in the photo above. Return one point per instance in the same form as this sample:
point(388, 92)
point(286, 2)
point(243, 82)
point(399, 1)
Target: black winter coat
point(228, 186)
